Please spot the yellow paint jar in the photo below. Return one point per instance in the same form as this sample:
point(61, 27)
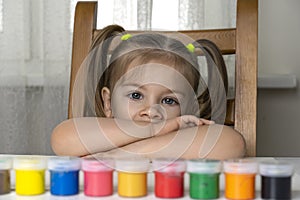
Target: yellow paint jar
point(240, 178)
point(30, 175)
point(132, 177)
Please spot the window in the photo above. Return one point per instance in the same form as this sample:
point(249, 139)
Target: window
point(165, 15)
point(112, 12)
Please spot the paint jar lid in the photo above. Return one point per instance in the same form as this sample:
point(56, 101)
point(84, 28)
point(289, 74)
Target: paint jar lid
point(97, 164)
point(205, 166)
point(132, 164)
point(168, 165)
point(276, 168)
point(5, 163)
point(64, 163)
point(29, 163)
point(240, 166)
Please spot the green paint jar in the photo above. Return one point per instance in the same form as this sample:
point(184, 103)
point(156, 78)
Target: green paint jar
point(204, 178)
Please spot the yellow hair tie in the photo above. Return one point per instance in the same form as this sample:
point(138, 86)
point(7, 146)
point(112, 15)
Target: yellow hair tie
point(126, 36)
point(190, 47)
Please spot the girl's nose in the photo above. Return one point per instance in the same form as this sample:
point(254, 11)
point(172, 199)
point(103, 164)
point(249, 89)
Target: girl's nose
point(153, 112)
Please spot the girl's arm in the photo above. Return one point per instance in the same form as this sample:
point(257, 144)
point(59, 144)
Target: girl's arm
point(214, 142)
point(87, 135)
point(83, 136)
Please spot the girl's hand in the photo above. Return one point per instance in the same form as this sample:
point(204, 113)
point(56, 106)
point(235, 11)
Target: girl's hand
point(178, 123)
point(186, 121)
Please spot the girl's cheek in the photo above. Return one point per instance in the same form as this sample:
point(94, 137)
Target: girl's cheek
point(172, 113)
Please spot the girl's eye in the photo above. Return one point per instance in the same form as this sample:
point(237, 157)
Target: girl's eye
point(135, 96)
point(169, 101)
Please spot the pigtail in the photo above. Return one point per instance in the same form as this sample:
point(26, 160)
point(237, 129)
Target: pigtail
point(99, 52)
point(211, 101)
point(214, 52)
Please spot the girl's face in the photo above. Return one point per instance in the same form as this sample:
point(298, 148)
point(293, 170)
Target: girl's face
point(151, 93)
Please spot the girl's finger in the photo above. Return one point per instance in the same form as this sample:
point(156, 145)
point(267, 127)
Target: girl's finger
point(206, 121)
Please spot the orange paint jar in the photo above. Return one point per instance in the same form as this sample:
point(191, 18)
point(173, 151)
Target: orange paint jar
point(240, 178)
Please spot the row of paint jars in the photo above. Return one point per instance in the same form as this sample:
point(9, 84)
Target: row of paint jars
point(132, 177)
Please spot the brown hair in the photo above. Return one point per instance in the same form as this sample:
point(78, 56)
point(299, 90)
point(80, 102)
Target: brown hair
point(143, 48)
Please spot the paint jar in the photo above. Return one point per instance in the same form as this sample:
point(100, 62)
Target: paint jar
point(98, 176)
point(240, 178)
point(5, 167)
point(204, 178)
point(132, 176)
point(64, 175)
point(169, 177)
point(30, 175)
point(276, 179)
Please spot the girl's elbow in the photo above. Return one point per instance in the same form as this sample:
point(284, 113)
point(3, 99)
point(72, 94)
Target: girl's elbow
point(57, 143)
point(61, 139)
point(230, 145)
point(236, 143)
point(240, 146)
point(65, 140)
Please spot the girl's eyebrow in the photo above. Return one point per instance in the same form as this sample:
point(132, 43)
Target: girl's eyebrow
point(136, 85)
point(131, 85)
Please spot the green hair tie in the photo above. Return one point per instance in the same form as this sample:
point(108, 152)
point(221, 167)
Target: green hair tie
point(190, 47)
point(126, 36)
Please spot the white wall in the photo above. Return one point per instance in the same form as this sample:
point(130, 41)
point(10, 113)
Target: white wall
point(278, 131)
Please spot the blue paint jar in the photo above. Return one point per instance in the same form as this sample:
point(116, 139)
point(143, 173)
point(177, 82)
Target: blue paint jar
point(64, 175)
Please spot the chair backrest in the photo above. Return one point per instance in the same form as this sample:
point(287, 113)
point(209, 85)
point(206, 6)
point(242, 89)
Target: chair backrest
point(241, 41)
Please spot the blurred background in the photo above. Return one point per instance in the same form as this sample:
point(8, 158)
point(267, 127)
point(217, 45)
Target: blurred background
point(35, 57)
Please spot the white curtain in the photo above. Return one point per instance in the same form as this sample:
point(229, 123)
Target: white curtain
point(35, 46)
point(35, 55)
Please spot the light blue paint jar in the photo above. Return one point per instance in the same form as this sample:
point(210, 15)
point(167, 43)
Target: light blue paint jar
point(64, 175)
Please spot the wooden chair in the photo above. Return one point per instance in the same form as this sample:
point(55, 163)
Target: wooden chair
point(241, 41)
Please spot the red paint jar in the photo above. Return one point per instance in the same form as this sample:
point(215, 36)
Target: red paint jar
point(169, 178)
point(98, 176)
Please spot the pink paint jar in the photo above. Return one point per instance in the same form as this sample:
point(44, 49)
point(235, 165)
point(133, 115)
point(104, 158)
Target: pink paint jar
point(98, 176)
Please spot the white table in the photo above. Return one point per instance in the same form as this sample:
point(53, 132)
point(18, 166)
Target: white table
point(47, 195)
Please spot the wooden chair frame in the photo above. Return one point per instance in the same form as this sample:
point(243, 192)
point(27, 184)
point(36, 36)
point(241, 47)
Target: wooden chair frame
point(241, 41)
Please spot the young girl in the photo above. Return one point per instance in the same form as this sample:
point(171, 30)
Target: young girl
point(144, 95)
